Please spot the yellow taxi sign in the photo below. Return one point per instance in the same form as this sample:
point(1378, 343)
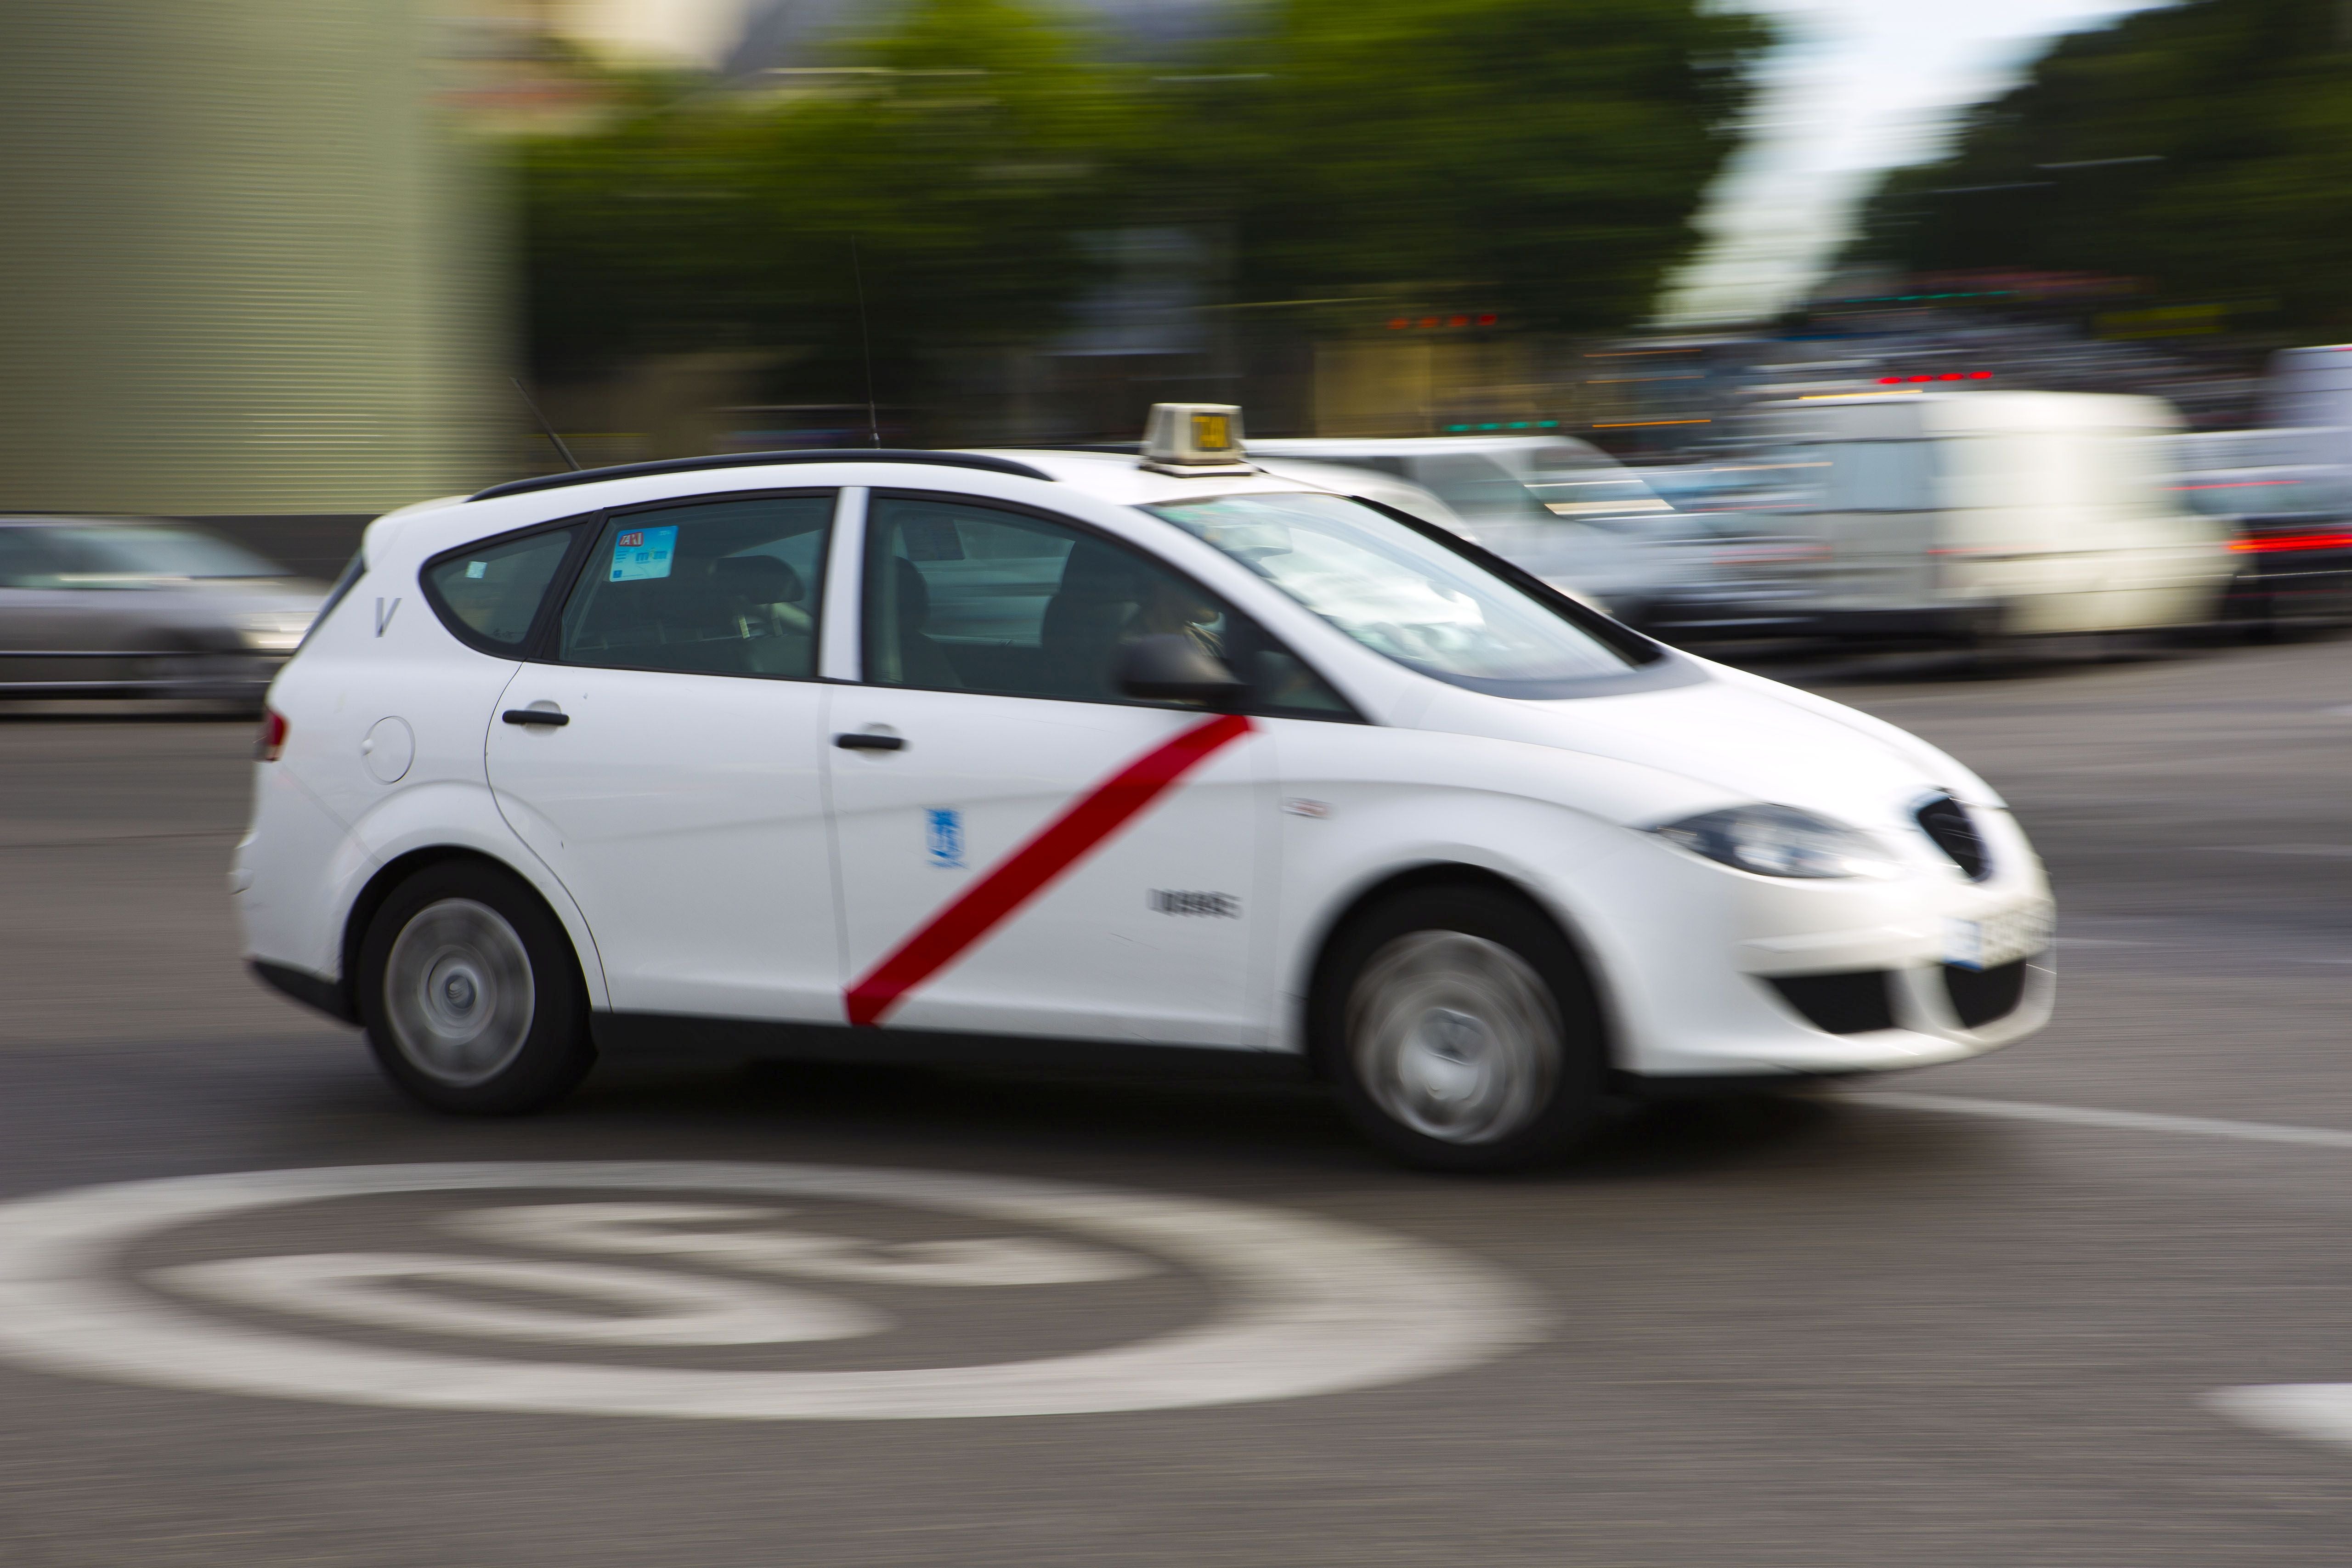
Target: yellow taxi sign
point(1186, 437)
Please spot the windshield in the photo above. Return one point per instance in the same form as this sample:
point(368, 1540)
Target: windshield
point(1400, 593)
point(142, 551)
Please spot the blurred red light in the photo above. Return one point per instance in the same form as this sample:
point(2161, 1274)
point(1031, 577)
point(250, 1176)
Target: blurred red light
point(1979, 375)
point(1459, 321)
point(1890, 381)
point(1399, 325)
point(1949, 375)
point(270, 744)
point(2267, 543)
point(1485, 321)
point(1427, 321)
point(1922, 378)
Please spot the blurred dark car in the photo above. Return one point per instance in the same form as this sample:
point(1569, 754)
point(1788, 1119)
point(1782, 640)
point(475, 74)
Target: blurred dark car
point(2292, 571)
point(95, 608)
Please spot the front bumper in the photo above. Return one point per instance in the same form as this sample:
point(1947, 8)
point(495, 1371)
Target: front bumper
point(1696, 960)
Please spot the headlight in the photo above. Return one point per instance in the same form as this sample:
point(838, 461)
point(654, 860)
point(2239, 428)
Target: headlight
point(273, 631)
point(1779, 841)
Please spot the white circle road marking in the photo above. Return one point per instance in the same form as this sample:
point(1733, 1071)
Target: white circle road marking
point(2321, 1411)
point(1305, 1305)
point(658, 1308)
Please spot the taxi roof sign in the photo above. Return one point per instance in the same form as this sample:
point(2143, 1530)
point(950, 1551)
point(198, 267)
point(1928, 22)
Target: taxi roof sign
point(1195, 439)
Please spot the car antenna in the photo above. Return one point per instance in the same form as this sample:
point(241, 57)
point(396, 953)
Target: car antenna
point(865, 340)
point(543, 424)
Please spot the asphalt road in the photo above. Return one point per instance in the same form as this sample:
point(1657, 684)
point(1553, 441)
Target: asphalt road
point(1833, 1332)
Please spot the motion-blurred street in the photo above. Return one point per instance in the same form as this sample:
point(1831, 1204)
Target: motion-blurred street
point(1830, 1332)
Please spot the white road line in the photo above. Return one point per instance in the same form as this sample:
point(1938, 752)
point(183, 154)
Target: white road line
point(2090, 1116)
point(2322, 851)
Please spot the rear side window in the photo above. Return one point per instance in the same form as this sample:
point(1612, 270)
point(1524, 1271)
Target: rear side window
point(724, 587)
point(489, 595)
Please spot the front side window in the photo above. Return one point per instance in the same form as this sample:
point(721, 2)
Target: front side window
point(489, 593)
point(1401, 594)
point(963, 597)
point(715, 588)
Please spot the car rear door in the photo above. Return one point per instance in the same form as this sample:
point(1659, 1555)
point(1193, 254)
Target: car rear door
point(661, 754)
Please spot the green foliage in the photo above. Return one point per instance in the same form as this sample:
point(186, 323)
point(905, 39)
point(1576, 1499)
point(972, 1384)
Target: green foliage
point(1542, 158)
point(2244, 111)
point(964, 153)
point(1537, 157)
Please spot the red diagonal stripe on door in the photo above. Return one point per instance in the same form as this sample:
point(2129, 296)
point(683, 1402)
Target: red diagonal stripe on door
point(1084, 826)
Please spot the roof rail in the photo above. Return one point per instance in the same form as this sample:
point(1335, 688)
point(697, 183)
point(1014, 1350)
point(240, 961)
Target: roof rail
point(764, 459)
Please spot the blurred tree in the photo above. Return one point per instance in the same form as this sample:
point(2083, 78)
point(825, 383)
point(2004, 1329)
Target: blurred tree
point(1541, 158)
point(2206, 146)
point(965, 151)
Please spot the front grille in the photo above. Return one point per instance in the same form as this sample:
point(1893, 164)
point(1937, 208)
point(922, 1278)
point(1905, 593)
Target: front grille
point(1852, 1003)
point(1947, 822)
point(1982, 995)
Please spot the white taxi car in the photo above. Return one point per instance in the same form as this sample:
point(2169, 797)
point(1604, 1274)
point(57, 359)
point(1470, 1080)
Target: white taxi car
point(892, 754)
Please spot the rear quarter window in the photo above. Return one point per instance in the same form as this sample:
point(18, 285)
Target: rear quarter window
point(489, 595)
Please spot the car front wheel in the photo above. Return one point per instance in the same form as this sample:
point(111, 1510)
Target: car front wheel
point(470, 993)
point(1458, 1028)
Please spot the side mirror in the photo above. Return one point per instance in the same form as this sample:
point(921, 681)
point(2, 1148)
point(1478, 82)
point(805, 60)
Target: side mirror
point(1173, 667)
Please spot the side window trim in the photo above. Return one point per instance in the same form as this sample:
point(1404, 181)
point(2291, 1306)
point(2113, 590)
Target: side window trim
point(871, 542)
point(541, 618)
point(547, 635)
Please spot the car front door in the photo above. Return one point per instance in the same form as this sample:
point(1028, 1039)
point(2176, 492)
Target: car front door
point(1025, 850)
point(661, 756)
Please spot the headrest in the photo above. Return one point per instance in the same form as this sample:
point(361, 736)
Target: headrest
point(1104, 571)
point(759, 579)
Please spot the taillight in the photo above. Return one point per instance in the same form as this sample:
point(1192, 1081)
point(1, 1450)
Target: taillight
point(270, 744)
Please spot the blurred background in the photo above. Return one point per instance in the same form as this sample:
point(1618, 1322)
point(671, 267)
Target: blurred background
point(1973, 364)
point(277, 266)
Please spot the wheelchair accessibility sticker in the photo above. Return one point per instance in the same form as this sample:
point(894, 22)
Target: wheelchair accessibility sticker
point(945, 832)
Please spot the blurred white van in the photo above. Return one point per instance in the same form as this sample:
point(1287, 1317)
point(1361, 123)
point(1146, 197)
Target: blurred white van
point(1558, 507)
point(1968, 517)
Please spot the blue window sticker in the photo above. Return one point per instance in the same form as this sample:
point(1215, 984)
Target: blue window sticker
point(946, 834)
point(641, 553)
point(476, 568)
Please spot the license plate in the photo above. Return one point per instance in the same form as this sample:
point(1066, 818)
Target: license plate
point(2000, 939)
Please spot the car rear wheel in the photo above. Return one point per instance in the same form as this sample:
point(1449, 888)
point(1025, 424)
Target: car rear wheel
point(1460, 1032)
point(470, 993)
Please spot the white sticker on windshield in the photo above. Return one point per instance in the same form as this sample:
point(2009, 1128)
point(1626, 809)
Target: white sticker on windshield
point(644, 553)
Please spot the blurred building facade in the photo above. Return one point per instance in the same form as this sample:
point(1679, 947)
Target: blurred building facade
point(244, 266)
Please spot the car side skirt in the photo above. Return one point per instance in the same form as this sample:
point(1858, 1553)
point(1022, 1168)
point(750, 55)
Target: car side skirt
point(653, 1037)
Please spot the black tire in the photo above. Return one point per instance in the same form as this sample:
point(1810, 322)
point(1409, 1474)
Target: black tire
point(471, 994)
point(1460, 1030)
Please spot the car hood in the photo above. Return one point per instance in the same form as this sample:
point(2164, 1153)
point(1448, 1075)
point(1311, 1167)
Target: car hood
point(1731, 738)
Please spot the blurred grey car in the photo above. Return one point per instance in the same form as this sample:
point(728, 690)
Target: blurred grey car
point(96, 608)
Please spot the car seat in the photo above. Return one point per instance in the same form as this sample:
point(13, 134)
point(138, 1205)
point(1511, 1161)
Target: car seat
point(1102, 590)
point(921, 661)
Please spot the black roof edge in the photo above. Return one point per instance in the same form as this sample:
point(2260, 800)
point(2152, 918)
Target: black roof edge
point(764, 459)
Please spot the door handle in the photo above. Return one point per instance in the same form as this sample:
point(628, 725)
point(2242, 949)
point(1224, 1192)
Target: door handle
point(870, 742)
point(546, 716)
